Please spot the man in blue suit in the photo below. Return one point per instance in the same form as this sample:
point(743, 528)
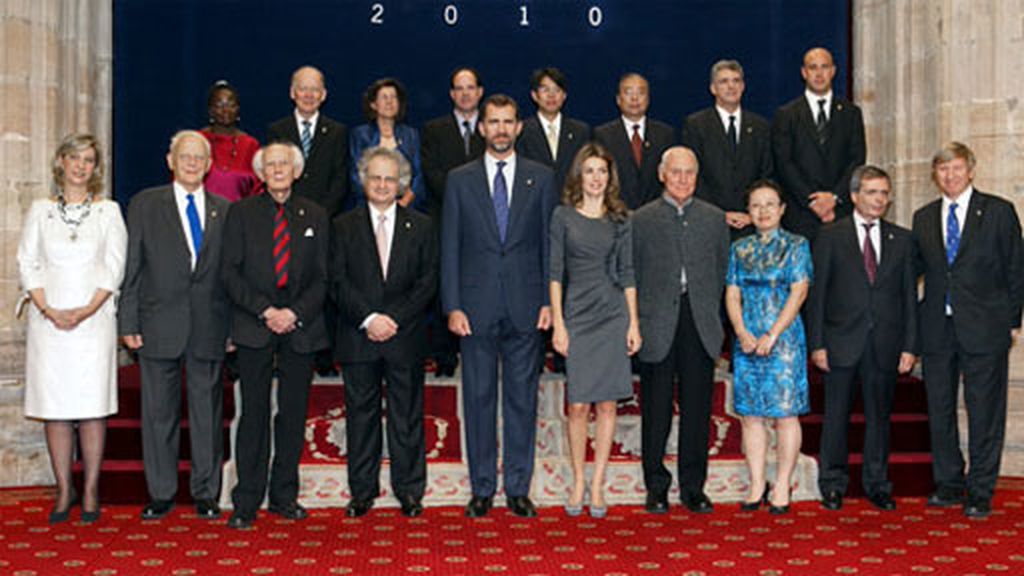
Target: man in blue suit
point(494, 272)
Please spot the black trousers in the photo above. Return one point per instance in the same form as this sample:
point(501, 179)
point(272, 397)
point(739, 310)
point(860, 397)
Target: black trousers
point(252, 444)
point(688, 367)
point(364, 382)
point(877, 384)
point(985, 390)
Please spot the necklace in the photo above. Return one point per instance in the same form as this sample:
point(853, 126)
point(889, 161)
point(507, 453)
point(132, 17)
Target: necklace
point(73, 223)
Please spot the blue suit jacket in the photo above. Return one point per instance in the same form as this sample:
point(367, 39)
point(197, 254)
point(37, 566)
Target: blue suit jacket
point(368, 136)
point(480, 275)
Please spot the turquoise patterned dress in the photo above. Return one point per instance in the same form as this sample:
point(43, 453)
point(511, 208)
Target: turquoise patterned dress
point(763, 268)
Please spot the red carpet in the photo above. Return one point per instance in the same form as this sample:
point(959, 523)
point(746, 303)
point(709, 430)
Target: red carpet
point(809, 541)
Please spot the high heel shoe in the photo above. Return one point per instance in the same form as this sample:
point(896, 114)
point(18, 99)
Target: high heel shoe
point(780, 510)
point(753, 506)
point(60, 516)
point(574, 510)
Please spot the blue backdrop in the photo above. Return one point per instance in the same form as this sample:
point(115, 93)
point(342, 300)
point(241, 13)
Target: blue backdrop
point(168, 52)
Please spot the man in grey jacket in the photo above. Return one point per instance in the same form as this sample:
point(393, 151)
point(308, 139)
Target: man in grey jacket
point(680, 252)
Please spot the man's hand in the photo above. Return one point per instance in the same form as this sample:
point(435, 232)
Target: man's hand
point(907, 361)
point(132, 341)
point(382, 328)
point(820, 359)
point(279, 320)
point(737, 220)
point(458, 323)
point(544, 318)
point(823, 203)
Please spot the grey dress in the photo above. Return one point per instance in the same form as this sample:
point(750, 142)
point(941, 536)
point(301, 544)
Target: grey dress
point(594, 260)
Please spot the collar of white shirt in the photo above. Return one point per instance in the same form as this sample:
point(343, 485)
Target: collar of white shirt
point(312, 121)
point(546, 124)
point(724, 114)
point(629, 127)
point(509, 171)
point(812, 101)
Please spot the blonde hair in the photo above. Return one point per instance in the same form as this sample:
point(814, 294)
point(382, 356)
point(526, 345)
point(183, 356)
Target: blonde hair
point(76, 142)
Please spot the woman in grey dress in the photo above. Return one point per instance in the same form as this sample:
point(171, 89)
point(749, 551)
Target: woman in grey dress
point(597, 328)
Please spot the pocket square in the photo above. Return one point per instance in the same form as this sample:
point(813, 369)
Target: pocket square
point(309, 232)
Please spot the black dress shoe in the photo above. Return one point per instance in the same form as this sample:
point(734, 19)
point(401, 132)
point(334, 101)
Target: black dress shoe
point(832, 500)
point(656, 503)
point(698, 503)
point(357, 507)
point(479, 506)
point(241, 520)
point(207, 509)
point(446, 369)
point(521, 506)
point(944, 498)
point(411, 506)
point(978, 508)
point(882, 501)
point(292, 510)
point(157, 509)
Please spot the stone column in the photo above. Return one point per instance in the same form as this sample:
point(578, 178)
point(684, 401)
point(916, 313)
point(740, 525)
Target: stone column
point(930, 71)
point(55, 78)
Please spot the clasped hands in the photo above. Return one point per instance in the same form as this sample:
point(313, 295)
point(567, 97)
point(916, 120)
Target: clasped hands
point(280, 320)
point(760, 346)
point(823, 203)
point(67, 318)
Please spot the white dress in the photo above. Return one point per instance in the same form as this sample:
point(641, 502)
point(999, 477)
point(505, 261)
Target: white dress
point(72, 374)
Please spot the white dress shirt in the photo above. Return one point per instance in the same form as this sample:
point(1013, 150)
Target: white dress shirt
point(491, 165)
point(547, 125)
point(629, 127)
point(724, 114)
point(312, 122)
point(812, 101)
point(389, 224)
point(962, 202)
point(181, 199)
point(876, 234)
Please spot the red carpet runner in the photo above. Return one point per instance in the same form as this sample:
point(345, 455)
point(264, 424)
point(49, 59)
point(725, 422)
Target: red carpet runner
point(809, 541)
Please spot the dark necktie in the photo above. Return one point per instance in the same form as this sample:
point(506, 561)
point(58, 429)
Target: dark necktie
point(637, 144)
point(731, 133)
point(282, 247)
point(194, 225)
point(307, 138)
point(952, 234)
point(870, 258)
point(467, 135)
point(500, 200)
point(821, 123)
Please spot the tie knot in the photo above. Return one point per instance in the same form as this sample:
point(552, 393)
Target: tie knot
point(636, 129)
point(191, 197)
point(953, 207)
point(868, 226)
point(306, 124)
point(821, 103)
point(732, 118)
point(382, 218)
point(501, 165)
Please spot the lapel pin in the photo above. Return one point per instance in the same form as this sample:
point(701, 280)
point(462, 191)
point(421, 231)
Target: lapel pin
point(890, 236)
point(979, 213)
point(309, 232)
point(302, 211)
point(647, 144)
point(839, 106)
point(213, 213)
point(569, 136)
point(529, 181)
point(750, 130)
point(408, 225)
point(323, 129)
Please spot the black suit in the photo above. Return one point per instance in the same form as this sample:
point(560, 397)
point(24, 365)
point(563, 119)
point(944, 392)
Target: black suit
point(985, 287)
point(863, 327)
point(533, 144)
point(725, 170)
point(442, 148)
point(325, 175)
point(803, 165)
point(250, 281)
point(359, 289)
point(638, 185)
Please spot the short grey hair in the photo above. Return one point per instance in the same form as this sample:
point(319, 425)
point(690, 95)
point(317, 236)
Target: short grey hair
point(867, 172)
point(404, 168)
point(952, 151)
point(298, 160)
point(733, 65)
point(679, 147)
point(180, 137)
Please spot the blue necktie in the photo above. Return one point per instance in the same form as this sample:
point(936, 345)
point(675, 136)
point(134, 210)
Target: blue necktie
point(952, 234)
point(500, 200)
point(307, 138)
point(193, 223)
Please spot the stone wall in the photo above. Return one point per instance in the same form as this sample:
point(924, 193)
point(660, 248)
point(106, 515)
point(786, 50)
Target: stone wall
point(930, 71)
point(55, 78)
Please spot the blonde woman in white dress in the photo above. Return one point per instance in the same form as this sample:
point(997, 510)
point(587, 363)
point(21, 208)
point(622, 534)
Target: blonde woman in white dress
point(71, 261)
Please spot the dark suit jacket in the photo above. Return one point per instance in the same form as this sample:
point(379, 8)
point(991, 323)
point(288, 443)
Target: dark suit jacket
point(533, 144)
point(443, 149)
point(480, 275)
point(985, 282)
point(846, 313)
point(359, 289)
point(803, 166)
point(724, 175)
point(325, 176)
point(249, 270)
point(638, 185)
point(174, 308)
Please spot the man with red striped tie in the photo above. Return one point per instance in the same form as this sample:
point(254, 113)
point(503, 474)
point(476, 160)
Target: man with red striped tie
point(275, 272)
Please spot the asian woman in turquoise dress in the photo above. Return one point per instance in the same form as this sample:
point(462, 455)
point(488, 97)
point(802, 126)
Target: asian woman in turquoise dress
point(768, 280)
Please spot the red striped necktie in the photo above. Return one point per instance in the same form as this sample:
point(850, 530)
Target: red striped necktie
point(282, 247)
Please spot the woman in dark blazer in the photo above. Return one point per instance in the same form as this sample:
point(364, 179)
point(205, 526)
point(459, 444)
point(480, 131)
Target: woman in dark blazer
point(384, 107)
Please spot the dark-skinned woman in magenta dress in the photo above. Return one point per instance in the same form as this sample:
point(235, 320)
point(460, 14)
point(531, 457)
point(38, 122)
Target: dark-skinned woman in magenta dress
point(231, 174)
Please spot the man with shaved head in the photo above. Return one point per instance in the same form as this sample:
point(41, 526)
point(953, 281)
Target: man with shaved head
point(817, 141)
point(680, 255)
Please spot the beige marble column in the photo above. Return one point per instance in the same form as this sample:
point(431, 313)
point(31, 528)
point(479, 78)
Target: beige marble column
point(930, 71)
point(55, 78)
